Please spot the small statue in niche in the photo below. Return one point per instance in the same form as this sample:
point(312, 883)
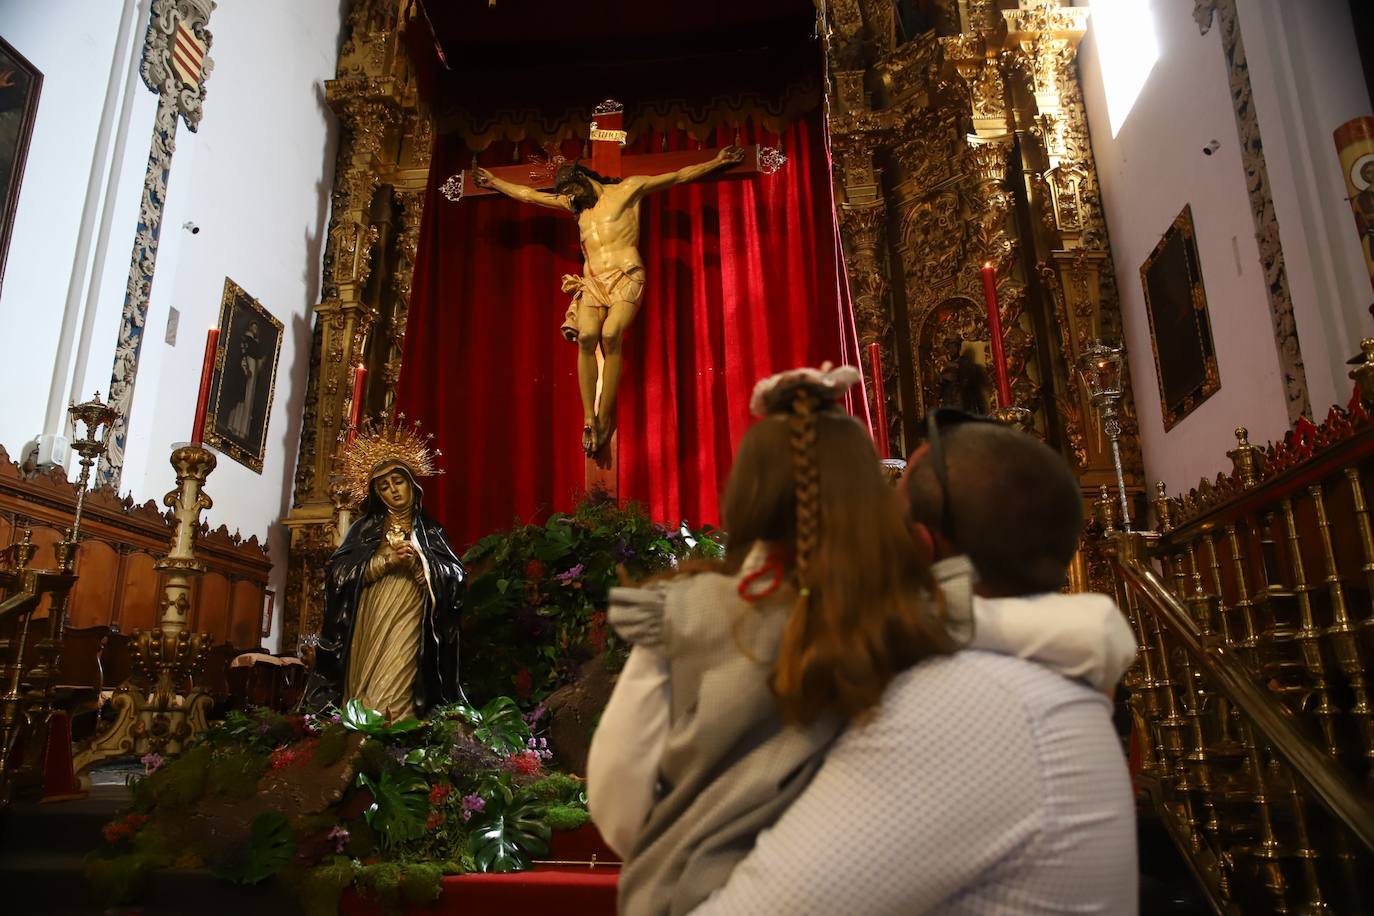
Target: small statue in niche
point(392, 590)
point(961, 380)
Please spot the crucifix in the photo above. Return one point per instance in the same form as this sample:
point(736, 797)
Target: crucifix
point(605, 198)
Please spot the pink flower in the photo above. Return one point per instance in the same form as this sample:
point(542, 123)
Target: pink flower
point(339, 837)
point(473, 804)
point(151, 763)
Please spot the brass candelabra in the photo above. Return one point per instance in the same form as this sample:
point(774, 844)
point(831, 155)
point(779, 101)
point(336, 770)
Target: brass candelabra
point(1100, 366)
point(158, 710)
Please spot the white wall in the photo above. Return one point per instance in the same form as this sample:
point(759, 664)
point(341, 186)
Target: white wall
point(255, 178)
point(1306, 77)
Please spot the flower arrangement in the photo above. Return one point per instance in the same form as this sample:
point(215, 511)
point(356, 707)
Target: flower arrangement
point(466, 790)
point(536, 601)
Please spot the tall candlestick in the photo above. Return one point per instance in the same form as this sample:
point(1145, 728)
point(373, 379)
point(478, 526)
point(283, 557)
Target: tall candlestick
point(356, 415)
point(875, 362)
point(207, 369)
point(999, 358)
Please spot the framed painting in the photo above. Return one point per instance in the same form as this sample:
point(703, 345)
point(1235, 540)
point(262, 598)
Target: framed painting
point(244, 379)
point(1180, 326)
point(269, 600)
point(19, 86)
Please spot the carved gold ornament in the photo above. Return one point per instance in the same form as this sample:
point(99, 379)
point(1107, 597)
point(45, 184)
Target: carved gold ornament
point(384, 443)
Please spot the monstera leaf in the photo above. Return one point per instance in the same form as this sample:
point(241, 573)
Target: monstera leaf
point(270, 847)
point(359, 718)
point(499, 725)
point(400, 803)
point(504, 841)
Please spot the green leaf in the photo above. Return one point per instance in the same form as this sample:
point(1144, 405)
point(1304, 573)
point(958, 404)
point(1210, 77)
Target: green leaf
point(503, 728)
point(359, 718)
point(505, 841)
point(400, 804)
point(270, 847)
point(502, 585)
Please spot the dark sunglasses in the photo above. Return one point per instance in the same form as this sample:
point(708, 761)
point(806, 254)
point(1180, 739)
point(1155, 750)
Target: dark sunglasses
point(938, 420)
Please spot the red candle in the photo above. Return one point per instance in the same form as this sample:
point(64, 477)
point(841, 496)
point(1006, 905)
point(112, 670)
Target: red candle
point(359, 373)
point(207, 369)
point(875, 362)
point(999, 358)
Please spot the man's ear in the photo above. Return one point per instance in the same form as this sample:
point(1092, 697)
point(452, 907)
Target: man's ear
point(925, 541)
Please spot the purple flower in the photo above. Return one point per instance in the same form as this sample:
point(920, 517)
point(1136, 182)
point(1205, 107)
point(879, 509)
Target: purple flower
point(624, 551)
point(151, 763)
point(339, 837)
point(540, 746)
point(569, 576)
point(532, 718)
point(473, 804)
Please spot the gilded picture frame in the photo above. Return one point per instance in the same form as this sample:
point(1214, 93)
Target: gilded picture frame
point(1180, 326)
point(20, 85)
point(245, 378)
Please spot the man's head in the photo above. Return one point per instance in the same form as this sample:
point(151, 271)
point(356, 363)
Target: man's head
point(1015, 507)
point(1367, 172)
point(580, 184)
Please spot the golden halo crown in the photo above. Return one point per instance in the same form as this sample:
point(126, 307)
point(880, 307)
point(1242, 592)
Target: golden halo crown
point(379, 443)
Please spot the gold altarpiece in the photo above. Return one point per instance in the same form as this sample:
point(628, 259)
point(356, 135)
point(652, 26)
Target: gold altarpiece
point(963, 146)
point(380, 175)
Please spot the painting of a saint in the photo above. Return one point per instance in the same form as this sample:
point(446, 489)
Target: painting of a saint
point(245, 375)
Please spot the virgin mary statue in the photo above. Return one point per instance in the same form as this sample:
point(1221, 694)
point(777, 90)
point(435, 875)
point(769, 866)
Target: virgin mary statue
point(392, 590)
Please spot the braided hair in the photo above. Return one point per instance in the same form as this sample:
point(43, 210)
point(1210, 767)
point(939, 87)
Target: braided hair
point(807, 481)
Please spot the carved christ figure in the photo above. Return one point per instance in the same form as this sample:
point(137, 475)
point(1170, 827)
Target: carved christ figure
point(605, 299)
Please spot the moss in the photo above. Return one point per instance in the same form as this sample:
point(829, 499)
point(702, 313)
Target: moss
point(236, 773)
point(382, 882)
point(333, 743)
point(421, 882)
point(320, 888)
point(177, 783)
point(565, 817)
point(372, 757)
point(556, 787)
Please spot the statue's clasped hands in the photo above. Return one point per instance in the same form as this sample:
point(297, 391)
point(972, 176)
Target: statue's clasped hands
point(403, 556)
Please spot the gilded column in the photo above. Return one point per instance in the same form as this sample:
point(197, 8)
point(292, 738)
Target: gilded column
point(384, 148)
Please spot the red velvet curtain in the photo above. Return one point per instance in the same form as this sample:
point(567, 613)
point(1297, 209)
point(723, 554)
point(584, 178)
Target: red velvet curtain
point(743, 280)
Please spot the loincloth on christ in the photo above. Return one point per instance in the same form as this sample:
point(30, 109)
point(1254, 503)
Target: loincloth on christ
point(600, 290)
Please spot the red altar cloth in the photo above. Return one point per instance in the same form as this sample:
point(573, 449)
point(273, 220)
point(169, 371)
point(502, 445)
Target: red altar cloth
point(572, 890)
point(545, 891)
point(743, 280)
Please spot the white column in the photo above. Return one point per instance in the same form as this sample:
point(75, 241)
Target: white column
point(102, 244)
point(52, 445)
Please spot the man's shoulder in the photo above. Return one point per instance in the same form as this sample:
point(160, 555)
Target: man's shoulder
point(973, 689)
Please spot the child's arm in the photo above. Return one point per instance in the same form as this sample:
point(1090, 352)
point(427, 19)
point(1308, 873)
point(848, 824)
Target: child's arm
point(622, 765)
point(1081, 636)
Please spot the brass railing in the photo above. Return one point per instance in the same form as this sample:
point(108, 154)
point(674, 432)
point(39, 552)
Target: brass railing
point(1253, 603)
point(26, 690)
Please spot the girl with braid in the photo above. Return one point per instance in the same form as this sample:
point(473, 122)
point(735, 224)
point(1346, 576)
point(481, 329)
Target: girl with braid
point(743, 673)
point(752, 666)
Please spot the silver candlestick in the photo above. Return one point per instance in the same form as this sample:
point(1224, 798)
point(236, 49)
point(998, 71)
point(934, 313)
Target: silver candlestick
point(1100, 366)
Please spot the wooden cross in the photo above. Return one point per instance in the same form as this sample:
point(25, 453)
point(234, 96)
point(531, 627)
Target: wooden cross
point(607, 133)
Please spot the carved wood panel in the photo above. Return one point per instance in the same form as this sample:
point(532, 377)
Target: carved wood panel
point(117, 584)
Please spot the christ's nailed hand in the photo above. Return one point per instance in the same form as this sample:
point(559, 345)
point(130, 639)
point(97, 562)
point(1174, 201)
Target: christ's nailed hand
point(731, 155)
point(483, 178)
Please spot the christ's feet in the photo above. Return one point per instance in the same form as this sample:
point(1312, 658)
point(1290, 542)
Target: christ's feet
point(605, 428)
point(589, 439)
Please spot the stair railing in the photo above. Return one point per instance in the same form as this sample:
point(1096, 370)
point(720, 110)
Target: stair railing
point(1253, 604)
